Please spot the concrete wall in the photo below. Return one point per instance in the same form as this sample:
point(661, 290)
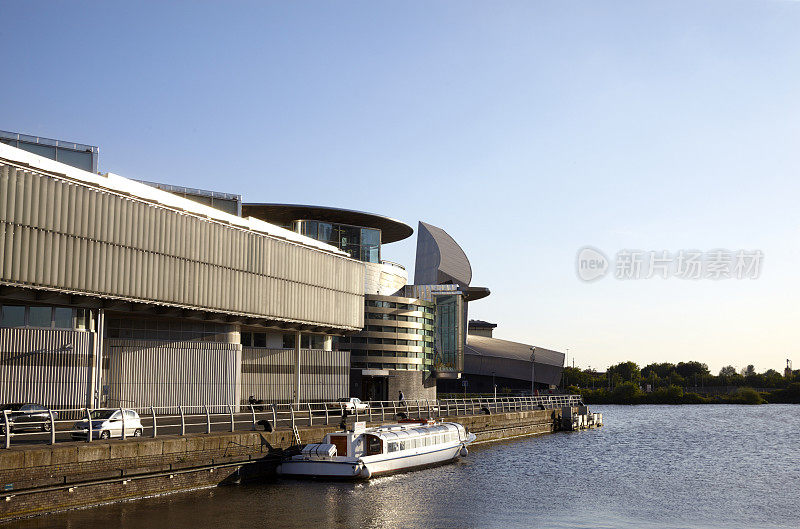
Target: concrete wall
point(413, 384)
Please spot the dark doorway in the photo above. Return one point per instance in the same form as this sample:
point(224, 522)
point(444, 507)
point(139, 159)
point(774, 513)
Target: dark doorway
point(374, 388)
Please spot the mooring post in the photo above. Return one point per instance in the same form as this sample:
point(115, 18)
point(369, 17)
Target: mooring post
point(89, 421)
point(52, 427)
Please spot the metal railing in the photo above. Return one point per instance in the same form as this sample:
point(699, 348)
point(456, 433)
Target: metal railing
point(52, 426)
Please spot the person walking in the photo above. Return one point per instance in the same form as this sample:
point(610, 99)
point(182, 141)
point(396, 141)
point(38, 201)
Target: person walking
point(401, 397)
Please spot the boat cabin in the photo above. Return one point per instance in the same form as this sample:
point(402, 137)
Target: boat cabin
point(393, 438)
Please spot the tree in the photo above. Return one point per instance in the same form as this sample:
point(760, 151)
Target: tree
point(727, 371)
point(626, 371)
point(691, 369)
point(749, 371)
point(663, 370)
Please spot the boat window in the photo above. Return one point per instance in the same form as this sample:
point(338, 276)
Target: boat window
point(402, 445)
point(393, 446)
point(374, 445)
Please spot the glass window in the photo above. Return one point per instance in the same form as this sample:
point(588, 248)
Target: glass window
point(247, 339)
point(370, 237)
point(304, 341)
point(288, 341)
point(259, 339)
point(62, 317)
point(317, 341)
point(40, 317)
point(350, 235)
point(310, 228)
point(81, 160)
point(370, 254)
point(325, 231)
point(37, 148)
point(13, 316)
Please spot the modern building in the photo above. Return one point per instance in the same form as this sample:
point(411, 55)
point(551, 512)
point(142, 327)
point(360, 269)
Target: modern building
point(489, 361)
point(114, 292)
point(413, 334)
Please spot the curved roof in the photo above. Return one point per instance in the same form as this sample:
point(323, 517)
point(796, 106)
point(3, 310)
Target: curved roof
point(391, 230)
point(484, 356)
point(440, 260)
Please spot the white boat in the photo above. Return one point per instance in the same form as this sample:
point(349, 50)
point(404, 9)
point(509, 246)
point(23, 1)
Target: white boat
point(362, 453)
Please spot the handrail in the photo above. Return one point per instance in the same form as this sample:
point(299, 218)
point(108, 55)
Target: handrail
point(60, 425)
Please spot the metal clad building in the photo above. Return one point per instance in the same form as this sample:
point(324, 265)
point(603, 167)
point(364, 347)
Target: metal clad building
point(70, 236)
point(177, 279)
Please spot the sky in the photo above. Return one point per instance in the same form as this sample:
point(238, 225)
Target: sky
point(526, 129)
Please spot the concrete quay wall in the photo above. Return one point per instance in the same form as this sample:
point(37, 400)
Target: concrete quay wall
point(41, 479)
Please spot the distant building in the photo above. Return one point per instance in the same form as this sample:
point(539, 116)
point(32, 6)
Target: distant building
point(489, 361)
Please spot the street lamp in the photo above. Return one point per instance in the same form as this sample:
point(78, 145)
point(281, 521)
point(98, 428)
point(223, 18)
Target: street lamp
point(533, 371)
point(495, 386)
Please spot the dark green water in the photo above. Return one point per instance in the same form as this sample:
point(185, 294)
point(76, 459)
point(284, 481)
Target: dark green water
point(649, 466)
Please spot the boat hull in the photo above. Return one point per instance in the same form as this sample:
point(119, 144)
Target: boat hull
point(368, 467)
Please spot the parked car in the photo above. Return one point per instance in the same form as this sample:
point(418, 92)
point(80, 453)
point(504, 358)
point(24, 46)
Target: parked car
point(107, 423)
point(26, 417)
point(350, 404)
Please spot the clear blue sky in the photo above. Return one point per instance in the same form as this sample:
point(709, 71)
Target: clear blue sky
point(525, 129)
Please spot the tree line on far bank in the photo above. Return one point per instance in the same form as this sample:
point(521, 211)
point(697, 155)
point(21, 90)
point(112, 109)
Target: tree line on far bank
point(682, 383)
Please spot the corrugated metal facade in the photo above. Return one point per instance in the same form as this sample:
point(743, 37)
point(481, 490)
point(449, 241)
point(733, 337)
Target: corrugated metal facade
point(73, 237)
point(160, 373)
point(45, 366)
point(268, 374)
point(324, 375)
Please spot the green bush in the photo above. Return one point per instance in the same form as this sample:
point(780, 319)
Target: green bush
point(626, 393)
point(748, 396)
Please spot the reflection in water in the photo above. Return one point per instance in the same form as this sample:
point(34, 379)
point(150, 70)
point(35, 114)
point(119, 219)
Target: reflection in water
point(649, 466)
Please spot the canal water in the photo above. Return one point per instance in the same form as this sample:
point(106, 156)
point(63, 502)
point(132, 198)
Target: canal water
point(649, 466)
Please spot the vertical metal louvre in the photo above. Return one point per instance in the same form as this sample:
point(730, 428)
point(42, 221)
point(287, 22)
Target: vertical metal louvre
point(74, 237)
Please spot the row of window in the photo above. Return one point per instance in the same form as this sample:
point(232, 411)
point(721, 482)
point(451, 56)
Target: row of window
point(393, 317)
point(164, 324)
point(45, 317)
point(166, 329)
point(401, 306)
point(395, 354)
point(307, 341)
point(419, 442)
point(395, 367)
point(402, 330)
point(361, 243)
point(386, 341)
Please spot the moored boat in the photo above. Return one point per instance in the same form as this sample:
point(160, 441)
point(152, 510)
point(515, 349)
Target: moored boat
point(362, 453)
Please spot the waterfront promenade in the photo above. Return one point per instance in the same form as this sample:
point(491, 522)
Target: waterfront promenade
point(41, 478)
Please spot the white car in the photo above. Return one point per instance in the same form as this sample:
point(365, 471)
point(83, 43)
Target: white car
point(107, 423)
point(350, 404)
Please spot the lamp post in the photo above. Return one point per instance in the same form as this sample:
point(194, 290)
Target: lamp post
point(533, 371)
point(494, 385)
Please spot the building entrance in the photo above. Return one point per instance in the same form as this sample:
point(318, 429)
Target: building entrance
point(375, 388)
